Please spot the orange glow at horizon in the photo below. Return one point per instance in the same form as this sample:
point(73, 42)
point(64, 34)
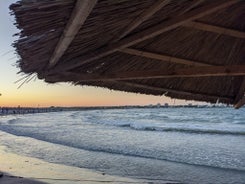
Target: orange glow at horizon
point(39, 94)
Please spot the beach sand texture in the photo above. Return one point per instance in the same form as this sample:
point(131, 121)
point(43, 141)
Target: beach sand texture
point(40, 171)
point(27, 170)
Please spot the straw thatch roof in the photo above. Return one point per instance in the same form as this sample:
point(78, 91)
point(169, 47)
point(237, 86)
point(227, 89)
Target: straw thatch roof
point(185, 49)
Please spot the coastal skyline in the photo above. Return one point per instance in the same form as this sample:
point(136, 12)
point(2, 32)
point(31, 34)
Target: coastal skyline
point(38, 93)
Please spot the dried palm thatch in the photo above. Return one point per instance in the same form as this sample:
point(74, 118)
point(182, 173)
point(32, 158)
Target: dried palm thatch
point(188, 49)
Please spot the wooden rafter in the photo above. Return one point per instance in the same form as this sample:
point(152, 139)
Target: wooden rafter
point(195, 4)
point(215, 29)
point(240, 97)
point(180, 92)
point(145, 34)
point(143, 17)
point(78, 17)
point(205, 71)
point(162, 57)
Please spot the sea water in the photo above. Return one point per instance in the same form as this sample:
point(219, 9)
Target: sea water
point(188, 145)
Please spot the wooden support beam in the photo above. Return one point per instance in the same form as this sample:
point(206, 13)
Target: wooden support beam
point(215, 29)
point(176, 91)
point(195, 4)
point(240, 98)
point(162, 57)
point(143, 17)
point(205, 71)
point(79, 15)
point(240, 103)
point(145, 34)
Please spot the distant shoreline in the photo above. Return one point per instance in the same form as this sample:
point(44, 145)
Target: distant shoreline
point(32, 110)
point(26, 110)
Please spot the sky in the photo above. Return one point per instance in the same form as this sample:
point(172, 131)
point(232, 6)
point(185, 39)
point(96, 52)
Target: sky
point(40, 94)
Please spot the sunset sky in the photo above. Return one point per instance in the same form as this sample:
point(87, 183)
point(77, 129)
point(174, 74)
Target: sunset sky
point(37, 93)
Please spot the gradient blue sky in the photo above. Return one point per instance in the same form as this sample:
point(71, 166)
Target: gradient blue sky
point(37, 93)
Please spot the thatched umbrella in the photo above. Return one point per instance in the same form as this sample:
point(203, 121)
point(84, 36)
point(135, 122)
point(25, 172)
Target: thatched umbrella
point(192, 50)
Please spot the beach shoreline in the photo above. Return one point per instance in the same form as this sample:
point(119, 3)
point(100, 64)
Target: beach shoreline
point(22, 169)
point(17, 168)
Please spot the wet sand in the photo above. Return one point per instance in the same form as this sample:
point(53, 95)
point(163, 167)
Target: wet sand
point(38, 171)
point(21, 169)
point(6, 178)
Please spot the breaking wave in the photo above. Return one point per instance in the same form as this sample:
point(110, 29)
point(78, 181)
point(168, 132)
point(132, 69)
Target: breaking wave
point(184, 130)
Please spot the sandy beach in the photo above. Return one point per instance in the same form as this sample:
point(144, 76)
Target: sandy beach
point(21, 169)
point(27, 170)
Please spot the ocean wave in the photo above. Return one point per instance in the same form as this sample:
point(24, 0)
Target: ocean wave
point(75, 115)
point(117, 151)
point(182, 130)
point(14, 121)
point(10, 121)
point(148, 127)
